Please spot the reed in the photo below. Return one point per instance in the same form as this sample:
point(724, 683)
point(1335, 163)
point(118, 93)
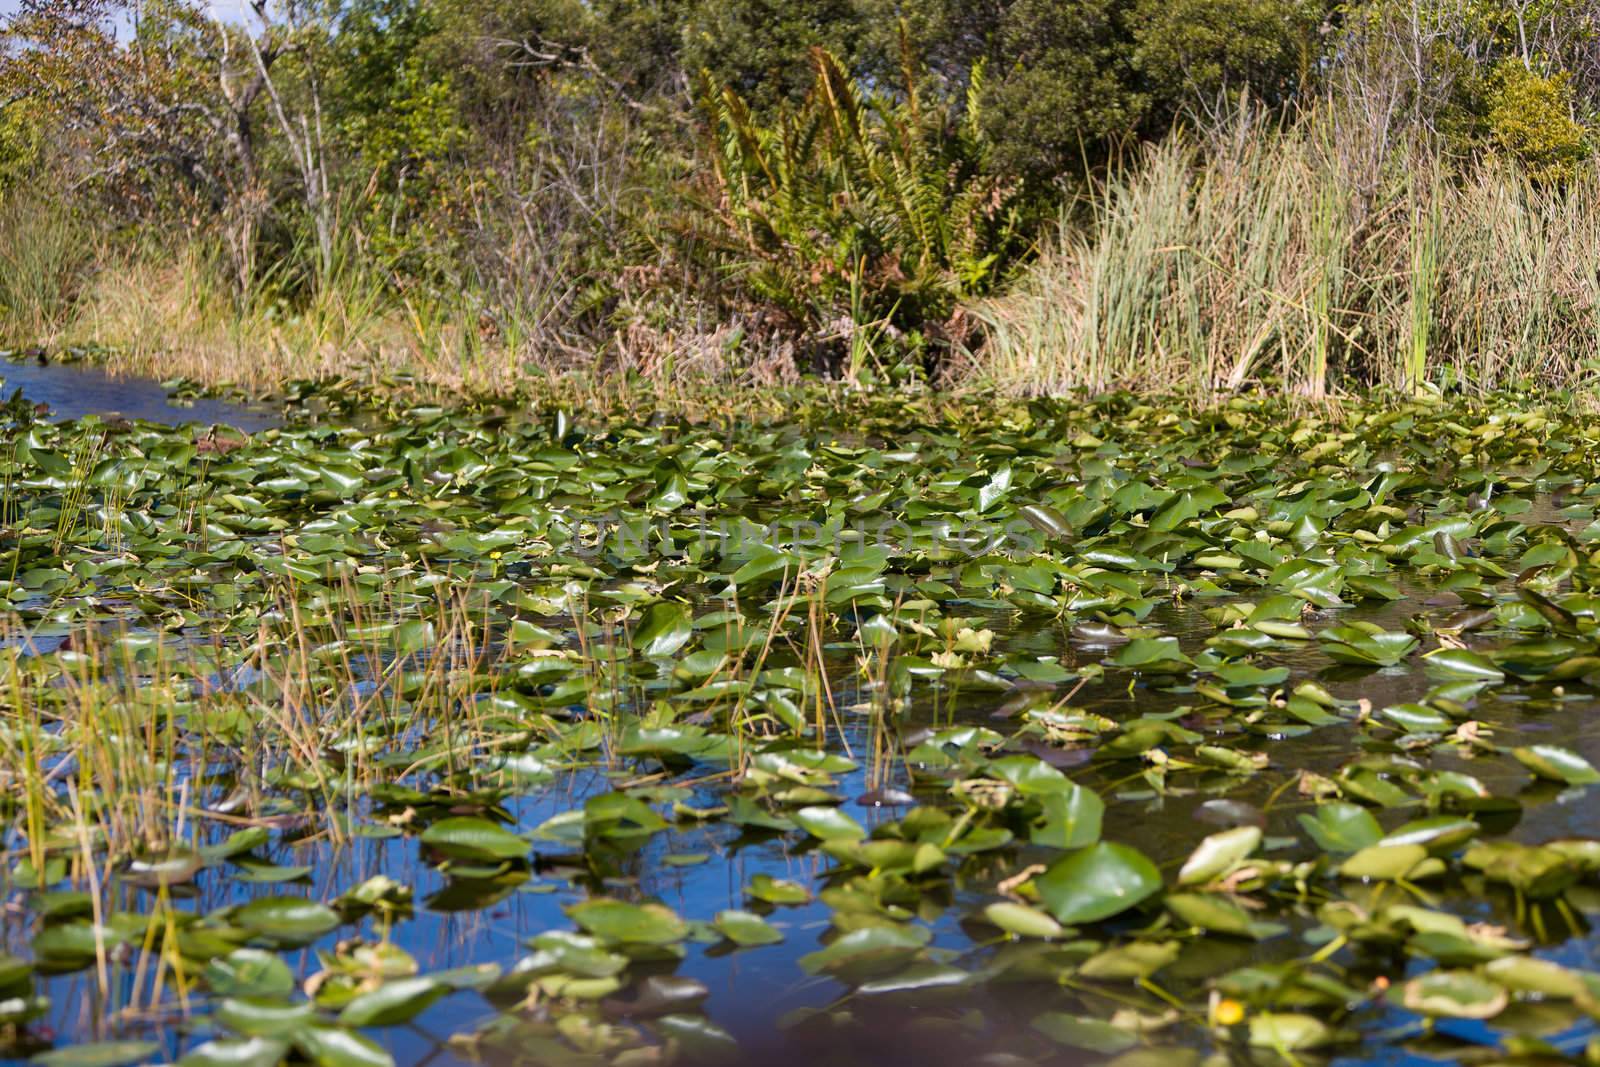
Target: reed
point(1265, 260)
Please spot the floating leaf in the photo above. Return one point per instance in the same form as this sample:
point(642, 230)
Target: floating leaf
point(744, 928)
point(469, 837)
point(249, 972)
point(1289, 1032)
point(828, 824)
point(1097, 883)
point(391, 1003)
point(1455, 995)
point(237, 1052)
point(663, 629)
point(331, 1047)
point(1218, 854)
point(1339, 826)
point(287, 919)
point(1022, 920)
point(99, 1054)
point(1077, 1031)
point(866, 952)
point(616, 920)
point(1557, 764)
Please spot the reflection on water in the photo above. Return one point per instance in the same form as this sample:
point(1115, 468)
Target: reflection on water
point(73, 390)
point(762, 996)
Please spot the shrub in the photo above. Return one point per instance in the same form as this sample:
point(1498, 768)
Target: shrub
point(858, 218)
point(1530, 118)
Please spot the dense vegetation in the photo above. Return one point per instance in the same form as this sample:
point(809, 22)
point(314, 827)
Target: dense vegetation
point(1045, 195)
point(1035, 732)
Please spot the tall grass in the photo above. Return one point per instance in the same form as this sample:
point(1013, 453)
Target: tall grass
point(1265, 258)
point(43, 259)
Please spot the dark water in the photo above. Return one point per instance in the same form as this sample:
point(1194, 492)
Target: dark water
point(73, 390)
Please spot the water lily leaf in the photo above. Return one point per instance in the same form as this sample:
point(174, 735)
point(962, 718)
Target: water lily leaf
point(620, 921)
point(237, 844)
point(249, 972)
point(701, 1040)
point(1140, 959)
point(1462, 663)
point(772, 890)
point(1218, 854)
point(1417, 718)
point(919, 976)
point(1455, 995)
point(1290, 1032)
point(237, 1052)
point(174, 868)
point(329, 1046)
point(1032, 776)
point(99, 1054)
point(264, 1016)
point(1339, 826)
point(1365, 647)
point(663, 630)
point(1100, 881)
point(287, 919)
point(868, 952)
point(766, 566)
point(1077, 1031)
point(391, 1003)
point(1046, 520)
point(258, 872)
point(1153, 655)
point(1070, 819)
point(1528, 974)
point(746, 928)
point(1557, 764)
point(566, 952)
point(1383, 862)
point(1022, 920)
point(828, 824)
point(1439, 834)
point(473, 838)
point(1219, 915)
point(1187, 504)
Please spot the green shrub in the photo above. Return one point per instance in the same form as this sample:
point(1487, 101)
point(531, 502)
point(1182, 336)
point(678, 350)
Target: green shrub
point(21, 143)
point(858, 218)
point(1530, 118)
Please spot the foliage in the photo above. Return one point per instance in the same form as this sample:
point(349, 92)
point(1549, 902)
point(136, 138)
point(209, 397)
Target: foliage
point(1530, 117)
point(1208, 53)
point(642, 184)
point(22, 141)
point(412, 689)
point(856, 212)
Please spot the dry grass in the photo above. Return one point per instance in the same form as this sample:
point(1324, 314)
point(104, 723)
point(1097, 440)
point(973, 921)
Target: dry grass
point(170, 312)
point(1267, 259)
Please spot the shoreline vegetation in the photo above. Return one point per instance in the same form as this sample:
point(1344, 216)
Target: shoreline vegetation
point(495, 199)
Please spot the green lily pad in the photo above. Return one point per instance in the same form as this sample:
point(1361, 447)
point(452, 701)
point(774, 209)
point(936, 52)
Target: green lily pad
point(1096, 883)
point(617, 920)
point(99, 1054)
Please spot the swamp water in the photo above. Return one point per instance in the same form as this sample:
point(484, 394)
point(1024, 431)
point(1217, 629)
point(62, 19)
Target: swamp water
point(70, 390)
point(1047, 733)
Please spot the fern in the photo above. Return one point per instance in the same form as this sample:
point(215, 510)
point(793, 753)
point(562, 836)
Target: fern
point(857, 213)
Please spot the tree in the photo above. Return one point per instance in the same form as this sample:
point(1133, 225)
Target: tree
point(1205, 53)
point(180, 95)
